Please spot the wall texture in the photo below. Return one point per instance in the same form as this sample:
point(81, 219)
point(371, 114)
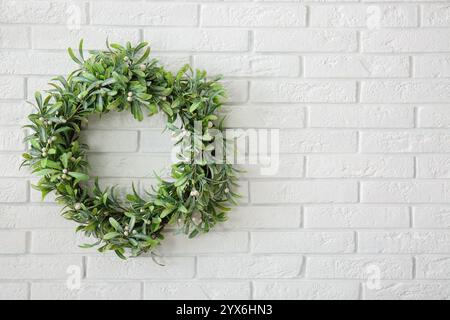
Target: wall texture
point(360, 208)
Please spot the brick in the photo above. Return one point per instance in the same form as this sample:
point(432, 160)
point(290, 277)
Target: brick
point(359, 267)
point(196, 290)
point(356, 217)
point(244, 267)
point(361, 116)
point(435, 116)
point(12, 242)
point(13, 291)
point(413, 40)
point(431, 217)
point(416, 91)
point(45, 37)
point(128, 166)
point(139, 269)
point(417, 290)
point(280, 166)
point(11, 88)
point(360, 166)
point(400, 242)
point(249, 65)
point(32, 216)
point(172, 62)
point(262, 116)
point(436, 15)
point(213, 242)
point(14, 113)
point(302, 242)
point(10, 166)
point(37, 267)
point(435, 66)
point(14, 37)
point(36, 83)
point(254, 15)
point(405, 141)
point(363, 16)
point(197, 40)
point(45, 12)
point(254, 217)
point(303, 91)
point(11, 139)
point(35, 63)
point(110, 141)
point(351, 66)
point(156, 141)
point(433, 166)
point(59, 241)
point(88, 291)
point(13, 190)
point(306, 290)
point(432, 267)
point(405, 192)
point(144, 14)
point(273, 40)
point(269, 192)
point(236, 90)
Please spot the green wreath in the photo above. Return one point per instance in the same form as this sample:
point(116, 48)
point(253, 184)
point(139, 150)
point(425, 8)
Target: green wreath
point(197, 196)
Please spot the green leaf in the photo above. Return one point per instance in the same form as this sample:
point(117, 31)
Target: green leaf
point(115, 224)
point(65, 159)
point(167, 109)
point(72, 55)
point(111, 235)
point(195, 106)
point(166, 212)
point(181, 181)
point(79, 176)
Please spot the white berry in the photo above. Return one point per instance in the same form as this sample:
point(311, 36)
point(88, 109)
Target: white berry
point(130, 99)
point(77, 206)
point(126, 233)
point(194, 193)
point(227, 190)
point(143, 67)
point(197, 218)
point(41, 119)
point(54, 138)
point(130, 94)
point(210, 124)
point(65, 171)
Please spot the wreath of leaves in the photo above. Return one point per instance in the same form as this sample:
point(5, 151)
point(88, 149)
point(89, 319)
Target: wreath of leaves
point(197, 196)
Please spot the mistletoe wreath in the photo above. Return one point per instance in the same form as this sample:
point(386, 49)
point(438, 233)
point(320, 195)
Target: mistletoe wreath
point(197, 196)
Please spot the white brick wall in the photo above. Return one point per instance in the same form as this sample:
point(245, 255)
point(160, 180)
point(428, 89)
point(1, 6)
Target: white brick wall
point(363, 179)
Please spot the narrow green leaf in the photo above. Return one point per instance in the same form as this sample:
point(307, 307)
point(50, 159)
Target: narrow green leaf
point(79, 176)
